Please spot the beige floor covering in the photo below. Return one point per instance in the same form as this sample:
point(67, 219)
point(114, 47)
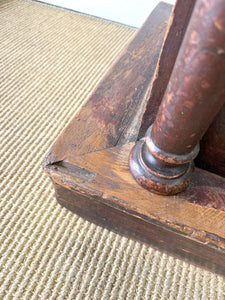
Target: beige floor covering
point(50, 61)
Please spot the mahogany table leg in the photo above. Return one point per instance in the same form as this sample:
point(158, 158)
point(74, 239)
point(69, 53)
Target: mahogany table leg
point(163, 163)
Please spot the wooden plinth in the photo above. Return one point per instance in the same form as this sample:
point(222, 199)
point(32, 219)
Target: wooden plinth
point(88, 164)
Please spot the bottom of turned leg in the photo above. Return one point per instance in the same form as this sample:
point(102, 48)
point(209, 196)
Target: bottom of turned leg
point(157, 176)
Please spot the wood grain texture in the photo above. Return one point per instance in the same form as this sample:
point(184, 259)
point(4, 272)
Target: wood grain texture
point(111, 179)
point(88, 165)
point(153, 233)
point(196, 90)
point(195, 93)
point(102, 179)
point(113, 113)
point(178, 22)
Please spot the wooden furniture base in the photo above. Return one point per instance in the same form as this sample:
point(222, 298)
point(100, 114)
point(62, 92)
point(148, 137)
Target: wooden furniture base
point(99, 187)
point(88, 163)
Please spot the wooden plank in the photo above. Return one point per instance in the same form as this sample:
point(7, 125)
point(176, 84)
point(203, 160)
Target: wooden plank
point(108, 173)
point(177, 27)
point(113, 113)
point(189, 225)
point(150, 233)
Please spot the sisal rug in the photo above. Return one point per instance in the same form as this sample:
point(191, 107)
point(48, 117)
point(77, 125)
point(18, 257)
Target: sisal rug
point(50, 61)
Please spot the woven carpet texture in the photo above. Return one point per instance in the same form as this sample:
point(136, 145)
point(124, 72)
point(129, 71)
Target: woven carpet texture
point(50, 61)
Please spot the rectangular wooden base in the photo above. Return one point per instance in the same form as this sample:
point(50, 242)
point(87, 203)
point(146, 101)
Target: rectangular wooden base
point(88, 165)
point(99, 187)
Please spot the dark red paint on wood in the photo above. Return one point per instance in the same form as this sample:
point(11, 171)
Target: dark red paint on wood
point(113, 112)
point(212, 146)
point(176, 29)
point(91, 175)
point(194, 95)
point(196, 89)
point(99, 187)
point(152, 233)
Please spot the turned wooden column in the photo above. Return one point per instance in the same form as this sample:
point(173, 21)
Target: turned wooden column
point(163, 162)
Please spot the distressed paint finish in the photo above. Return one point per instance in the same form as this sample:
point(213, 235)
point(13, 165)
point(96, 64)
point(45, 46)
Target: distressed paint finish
point(91, 174)
point(176, 29)
point(196, 89)
point(212, 146)
point(158, 171)
point(113, 112)
point(99, 187)
point(194, 95)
